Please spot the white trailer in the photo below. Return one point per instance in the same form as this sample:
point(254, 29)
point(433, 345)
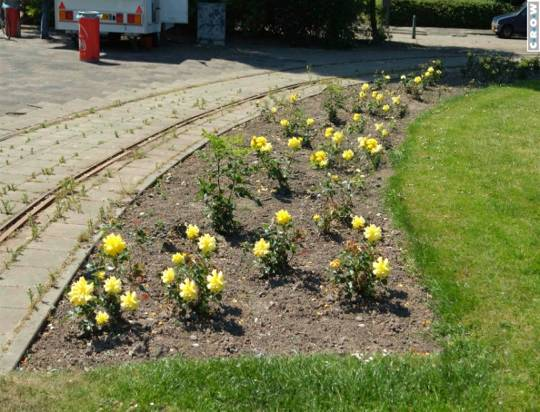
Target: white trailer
point(130, 17)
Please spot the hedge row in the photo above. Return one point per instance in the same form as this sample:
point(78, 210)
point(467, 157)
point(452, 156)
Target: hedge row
point(469, 14)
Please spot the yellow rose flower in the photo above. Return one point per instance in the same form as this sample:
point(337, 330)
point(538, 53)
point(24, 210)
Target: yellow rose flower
point(379, 126)
point(192, 232)
point(362, 95)
point(81, 292)
point(310, 122)
point(293, 98)
point(267, 148)
point(365, 87)
point(316, 218)
point(358, 222)
point(386, 108)
point(376, 149)
point(261, 248)
point(189, 291)
point(396, 100)
point(178, 258)
point(337, 138)
point(347, 155)
point(113, 245)
point(430, 69)
point(216, 281)
point(374, 94)
point(356, 117)
point(328, 132)
point(319, 159)
point(418, 80)
point(427, 74)
point(283, 217)
point(129, 301)
point(362, 142)
point(371, 143)
point(168, 276)
point(113, 286)
point(372, 233)
point(379, 98)
point(102, 318)
point(101, 275)
point(295, 143)
point(273, 110)
point(381, 268)
point(335, 264)
point(207, 244)
point(284, 123)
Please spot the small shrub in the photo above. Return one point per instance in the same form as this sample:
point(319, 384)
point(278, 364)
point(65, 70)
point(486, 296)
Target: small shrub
point(333, 100)
point(192, 282)
point(358, 268)
point(335, 195)
point(498, 68)
point(224, 180)
point(99, 297)
point(276, 169)
point(276, 245)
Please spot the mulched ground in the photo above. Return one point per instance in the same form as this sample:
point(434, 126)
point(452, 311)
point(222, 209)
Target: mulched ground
point(300, 313)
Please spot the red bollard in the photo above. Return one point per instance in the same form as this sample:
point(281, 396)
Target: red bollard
point(12, 21)
point(88, 36)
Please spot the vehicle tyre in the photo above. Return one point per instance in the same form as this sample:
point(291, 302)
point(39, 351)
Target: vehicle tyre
point(506, 31)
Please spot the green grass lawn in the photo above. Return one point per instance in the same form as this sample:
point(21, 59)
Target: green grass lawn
point(467, 193)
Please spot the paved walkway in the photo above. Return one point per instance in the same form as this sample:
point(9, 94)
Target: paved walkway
point(62, 140)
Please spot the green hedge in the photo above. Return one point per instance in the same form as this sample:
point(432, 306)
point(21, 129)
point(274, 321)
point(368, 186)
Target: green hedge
point(472, 14)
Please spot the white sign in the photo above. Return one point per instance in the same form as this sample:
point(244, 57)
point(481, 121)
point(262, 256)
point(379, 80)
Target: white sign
point(533, 39)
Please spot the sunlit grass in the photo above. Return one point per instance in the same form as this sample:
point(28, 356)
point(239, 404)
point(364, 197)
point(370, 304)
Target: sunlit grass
point(467, 189)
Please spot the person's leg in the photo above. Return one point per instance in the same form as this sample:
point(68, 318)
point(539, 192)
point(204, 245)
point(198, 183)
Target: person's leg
point(44, 19)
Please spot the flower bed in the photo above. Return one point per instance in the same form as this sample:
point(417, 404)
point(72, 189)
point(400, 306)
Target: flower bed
point(305, 262)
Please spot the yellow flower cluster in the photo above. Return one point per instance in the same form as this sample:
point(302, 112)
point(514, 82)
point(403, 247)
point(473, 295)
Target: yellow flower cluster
point(347, 155)
point(113, 245)
point(129, 301)
point(102, 318)
point(358, 222)
point(283, 217)
point(178, 258)
point(310, 122)
point(329, 132)
point(168, 276)
point(261, 248)
point(295, 143)
point(215, 281)
point(189, 291)
point(207, 244)
point(113, 286)
point(284, 123)
point(319, 159)
point(293, 98)
point(372, 233)
point(81, 292)
point(369, 144)
point(381, 268)
point(192, 232)
point(337, 138)
point(260, 144)
point(356, 117)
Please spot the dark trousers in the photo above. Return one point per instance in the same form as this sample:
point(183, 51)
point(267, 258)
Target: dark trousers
point(45, 19)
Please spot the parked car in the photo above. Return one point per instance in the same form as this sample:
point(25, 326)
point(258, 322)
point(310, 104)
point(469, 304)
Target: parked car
point(507, 25)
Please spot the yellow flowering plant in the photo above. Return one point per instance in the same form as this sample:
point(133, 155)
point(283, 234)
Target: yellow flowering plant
point(97, 296)
point(192, 282)
point(359, 268)
point(276, 245)
point(372, 149)
point(276, 168)
point(226, 176)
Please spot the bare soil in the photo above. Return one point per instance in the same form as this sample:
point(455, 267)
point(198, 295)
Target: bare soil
point(301, 312)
